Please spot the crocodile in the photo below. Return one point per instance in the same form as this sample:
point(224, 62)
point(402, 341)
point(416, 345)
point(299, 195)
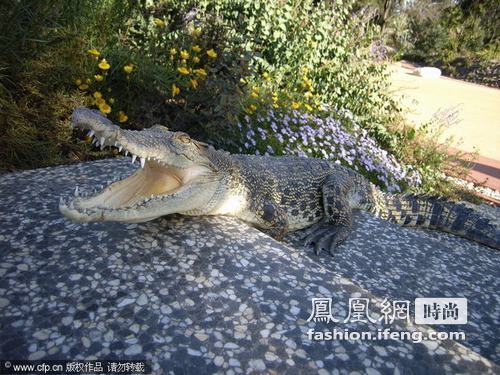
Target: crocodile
point(278, 195)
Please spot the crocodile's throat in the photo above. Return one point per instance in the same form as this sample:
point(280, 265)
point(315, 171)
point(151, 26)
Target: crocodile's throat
point(152, 184)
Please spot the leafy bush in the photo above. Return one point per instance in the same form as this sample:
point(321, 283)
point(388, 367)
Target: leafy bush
point(447, 30)
point(203, 67)
point(325, 40)
point(41, 44)
point(460, 37)
point(34, 117)
point(278, 41)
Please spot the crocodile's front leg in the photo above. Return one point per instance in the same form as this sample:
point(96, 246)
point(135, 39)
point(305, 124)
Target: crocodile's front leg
point(337, 224)
point(270, 218)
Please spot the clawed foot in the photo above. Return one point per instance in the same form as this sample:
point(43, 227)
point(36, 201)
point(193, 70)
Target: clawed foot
point(325, 236)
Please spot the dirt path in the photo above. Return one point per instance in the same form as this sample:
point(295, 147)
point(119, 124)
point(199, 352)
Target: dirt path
point(479, 107)
point(479, 115)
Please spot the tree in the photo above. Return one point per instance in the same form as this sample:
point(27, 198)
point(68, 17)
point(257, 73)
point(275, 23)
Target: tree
point(487, 13)
point(384, 9)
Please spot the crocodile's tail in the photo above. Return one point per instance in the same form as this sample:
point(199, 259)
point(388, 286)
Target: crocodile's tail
point(441, 214)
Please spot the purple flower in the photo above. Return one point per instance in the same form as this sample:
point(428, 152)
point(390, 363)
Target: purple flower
point(314, 136)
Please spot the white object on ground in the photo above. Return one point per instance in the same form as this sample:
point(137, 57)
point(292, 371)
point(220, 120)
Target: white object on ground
point(428, 72)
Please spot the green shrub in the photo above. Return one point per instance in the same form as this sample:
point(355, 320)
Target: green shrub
point(41, 44)
point(447, 30)
point(322, 38)
point(280, 40)
point(302, 58)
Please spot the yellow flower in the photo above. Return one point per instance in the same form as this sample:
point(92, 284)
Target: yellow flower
point(88, 80)
point(253, 107)
point(173, 51)
point(104, 108)
point(112, 100)
point(100, 101)
point(83, 87)
point(196, 32)
point(184, 54)
point(275, 105)
point(308, 107)
point(242, 81)
point(158, 22)
point(196, 59)
point(78, 82)
point(194, 83)
point(196, 48)
point(94, 52)
point(211, 53)
point(275, 99)
point(296, 105)
point(175, 90)
point(201, 72)
point(104, 65)
point(308, 95)
point(97, 95)
point(122, 117)
point(249, 111)
point(98, 77)
point(254, 95)
point(183, 70)
point(109, 89)
point(307, 83)
point(128, 68)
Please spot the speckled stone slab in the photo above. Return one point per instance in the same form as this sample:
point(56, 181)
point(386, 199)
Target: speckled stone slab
point(210, 294)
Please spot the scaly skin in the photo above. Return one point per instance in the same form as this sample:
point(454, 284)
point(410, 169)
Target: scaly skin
point(276, 194)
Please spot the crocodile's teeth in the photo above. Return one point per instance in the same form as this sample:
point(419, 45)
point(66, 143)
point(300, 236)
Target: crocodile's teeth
point(126, 152)
point(120, 149)
point(102, 140)
point(143, 162)
point(90, 133)
point(76, 191)
point(133, 158)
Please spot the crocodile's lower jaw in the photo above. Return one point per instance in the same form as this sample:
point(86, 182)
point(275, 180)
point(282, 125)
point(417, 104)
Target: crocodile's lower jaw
point(133, 199)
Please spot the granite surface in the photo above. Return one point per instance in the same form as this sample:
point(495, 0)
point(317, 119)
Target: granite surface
point(211, 294)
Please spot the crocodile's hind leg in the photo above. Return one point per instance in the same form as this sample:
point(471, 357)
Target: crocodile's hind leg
point(337, 224)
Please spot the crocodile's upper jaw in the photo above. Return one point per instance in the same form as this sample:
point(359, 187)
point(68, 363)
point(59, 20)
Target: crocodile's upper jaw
point(168, 181)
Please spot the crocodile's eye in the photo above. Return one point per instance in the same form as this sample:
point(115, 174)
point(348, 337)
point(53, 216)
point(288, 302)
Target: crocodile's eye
point(182, 137)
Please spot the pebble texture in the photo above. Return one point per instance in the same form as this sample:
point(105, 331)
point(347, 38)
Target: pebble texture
point(210, 294)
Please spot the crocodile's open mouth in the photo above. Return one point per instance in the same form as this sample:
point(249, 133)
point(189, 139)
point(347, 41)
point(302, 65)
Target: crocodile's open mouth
point(155, 181)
